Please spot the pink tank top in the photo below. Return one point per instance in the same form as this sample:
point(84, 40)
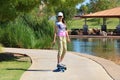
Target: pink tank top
point(61, 29)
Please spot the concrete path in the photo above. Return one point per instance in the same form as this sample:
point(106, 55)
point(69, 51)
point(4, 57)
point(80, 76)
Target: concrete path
point(44, 61)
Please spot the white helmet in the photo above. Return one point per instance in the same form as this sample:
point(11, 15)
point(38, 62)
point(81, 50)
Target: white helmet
point(60, 14)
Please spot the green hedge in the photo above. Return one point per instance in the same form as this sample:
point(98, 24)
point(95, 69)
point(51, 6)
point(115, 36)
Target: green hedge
point(20, 34)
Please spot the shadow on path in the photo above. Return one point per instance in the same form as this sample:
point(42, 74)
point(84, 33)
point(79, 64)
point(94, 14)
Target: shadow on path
point(42, 70)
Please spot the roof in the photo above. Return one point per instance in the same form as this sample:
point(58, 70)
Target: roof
point(110, 13)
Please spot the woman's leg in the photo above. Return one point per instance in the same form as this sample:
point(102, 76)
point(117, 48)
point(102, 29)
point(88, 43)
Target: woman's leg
point(60, 49)
point(64, 48)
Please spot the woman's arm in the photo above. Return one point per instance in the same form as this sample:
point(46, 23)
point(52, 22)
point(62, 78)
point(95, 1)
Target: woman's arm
point(67, 35)
point(55, 31)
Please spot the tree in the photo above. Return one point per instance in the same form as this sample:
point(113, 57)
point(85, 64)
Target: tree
point(118, 2)
point(10, 9)
point(98, 5)
point(66, 6)
point(83, 9)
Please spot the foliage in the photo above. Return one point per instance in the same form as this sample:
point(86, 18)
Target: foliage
point(118, 2)
point(66, 6)
point(98, 5)
point(22, 26)
point(10, 9)
point(42, 28)
point(27, 31)
point(17, 35)
point(83, 9)
point(40, 25)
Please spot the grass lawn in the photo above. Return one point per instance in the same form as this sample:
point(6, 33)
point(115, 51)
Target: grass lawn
point(93, 23)
point(0, 47)
point(12, 67)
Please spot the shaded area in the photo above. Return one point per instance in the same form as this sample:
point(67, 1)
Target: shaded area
point(42, 70)
point(11, 57)
point(7, 57)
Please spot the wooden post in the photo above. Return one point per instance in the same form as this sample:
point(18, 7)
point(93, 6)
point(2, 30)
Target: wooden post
point(104, 26)
point(85, 21)
point(104, 21)
point(85, 28)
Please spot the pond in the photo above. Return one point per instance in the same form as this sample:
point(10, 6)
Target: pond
point(108, 48)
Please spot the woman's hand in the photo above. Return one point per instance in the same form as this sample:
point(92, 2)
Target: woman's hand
point(68, 40)
point(54, 41)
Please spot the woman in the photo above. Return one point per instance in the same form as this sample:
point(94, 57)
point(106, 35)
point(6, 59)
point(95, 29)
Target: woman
point(62, 35)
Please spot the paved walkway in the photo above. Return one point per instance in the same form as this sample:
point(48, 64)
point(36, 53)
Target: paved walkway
point(44, 61)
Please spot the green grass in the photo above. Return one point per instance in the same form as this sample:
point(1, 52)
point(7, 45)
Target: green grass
point(93, 23)
point(12, 69)
point(0, 47)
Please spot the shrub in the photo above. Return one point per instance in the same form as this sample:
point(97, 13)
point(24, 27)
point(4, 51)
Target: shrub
point(18, 35)
point(42, 28)
point(24, 35)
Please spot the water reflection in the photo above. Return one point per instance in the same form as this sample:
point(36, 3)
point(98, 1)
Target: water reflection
point(102, 47)
point(117, 47)
point(83, 46)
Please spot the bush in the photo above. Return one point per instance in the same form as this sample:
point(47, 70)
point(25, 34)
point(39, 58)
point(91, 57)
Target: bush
point(15, 35)
point(40, 25)
point(42, 28)
point(24, 35)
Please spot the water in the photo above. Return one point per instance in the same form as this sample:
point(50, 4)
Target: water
point(108, 48)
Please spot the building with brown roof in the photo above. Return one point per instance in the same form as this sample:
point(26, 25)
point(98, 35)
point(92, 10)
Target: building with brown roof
point(110, 13)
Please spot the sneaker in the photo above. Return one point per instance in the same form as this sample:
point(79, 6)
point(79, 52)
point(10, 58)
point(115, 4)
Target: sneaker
point(59, 65)
point(57, 70)
point(62, 67)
